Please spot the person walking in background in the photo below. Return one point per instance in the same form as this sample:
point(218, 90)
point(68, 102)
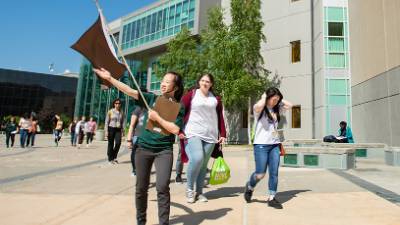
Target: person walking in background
point(24, 126)
point(179, 165)
point(72, 133)
point(267, 143)
point(154, 147)
point(134, 131)
point(58, 129)
point(90, 130)
point(79, 130)
point(32, 130)
point(11, 130)
point(114, 130)
point(204, 127)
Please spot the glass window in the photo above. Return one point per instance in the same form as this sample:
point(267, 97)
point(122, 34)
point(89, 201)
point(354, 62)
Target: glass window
point(142, 28)
point(296, 116)
point(335, 29)
point(148, 24)
point(335, 44)
point(159, 20)
point(337, 86)
point(165, 19)
point(128, 32)
point(296, 51)
point(171, 16)
point(335, 60)
point(133, 32)
point(153, 22)
point(138, 27)
point(192, 4)
point(335, 14)
point(124, 34)
point(178, 14)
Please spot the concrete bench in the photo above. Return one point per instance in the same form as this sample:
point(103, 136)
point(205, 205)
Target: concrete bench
point(392, 156)
point(319, 157)
point(365, 150)
point(303, 142)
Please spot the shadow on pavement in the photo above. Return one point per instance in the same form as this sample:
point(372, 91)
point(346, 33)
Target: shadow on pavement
point(225, 192)
point(283, 196)
point(194, 218)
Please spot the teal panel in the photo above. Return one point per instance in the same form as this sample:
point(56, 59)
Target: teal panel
point(311, 160)
point(335, 60)
point(336, 44)
point(290, 159)
point(337, 100)
point(335, 14)
point(362, 153)
point(337, 86)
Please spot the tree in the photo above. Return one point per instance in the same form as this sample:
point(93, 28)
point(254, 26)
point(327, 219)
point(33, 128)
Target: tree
point(184, 56)
point(230, 52)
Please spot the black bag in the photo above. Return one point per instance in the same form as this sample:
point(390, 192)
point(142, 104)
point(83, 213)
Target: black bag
point(217, 151)
point(330, 138)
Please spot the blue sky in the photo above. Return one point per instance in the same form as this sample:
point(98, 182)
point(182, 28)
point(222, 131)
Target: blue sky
point(36, 33)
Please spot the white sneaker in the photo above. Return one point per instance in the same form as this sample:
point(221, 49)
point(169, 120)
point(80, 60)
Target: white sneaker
point(202, 198)
point(190, 198)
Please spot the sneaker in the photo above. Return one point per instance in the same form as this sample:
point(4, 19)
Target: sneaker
point(133, 174)
point(247, 193)
point(115, 161)
point(178, 179)
point(201, 198)
point(275, 204)
point(190, 198)
point(110, 162)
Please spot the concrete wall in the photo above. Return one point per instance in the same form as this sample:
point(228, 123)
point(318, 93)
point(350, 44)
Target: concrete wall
point(286, 22)
point(375, 67)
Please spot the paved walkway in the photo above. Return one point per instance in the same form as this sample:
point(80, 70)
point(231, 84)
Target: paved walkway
point(64, 185)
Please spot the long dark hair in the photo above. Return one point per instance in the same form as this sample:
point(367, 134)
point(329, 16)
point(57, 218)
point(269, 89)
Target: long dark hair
point(211, 77)
point(178, 84)
point(271, 92)
point(120, 104)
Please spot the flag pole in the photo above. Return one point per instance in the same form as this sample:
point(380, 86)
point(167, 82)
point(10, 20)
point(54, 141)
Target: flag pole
point(119, 50)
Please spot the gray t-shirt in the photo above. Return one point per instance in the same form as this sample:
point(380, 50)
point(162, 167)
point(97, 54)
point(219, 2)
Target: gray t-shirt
point(115, 119)
point(139, 113)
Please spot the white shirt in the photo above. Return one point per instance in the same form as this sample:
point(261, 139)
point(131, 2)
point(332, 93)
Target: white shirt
point(266, 130)
point(203, 118)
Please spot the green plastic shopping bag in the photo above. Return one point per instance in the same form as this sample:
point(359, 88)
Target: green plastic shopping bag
point(220, 172)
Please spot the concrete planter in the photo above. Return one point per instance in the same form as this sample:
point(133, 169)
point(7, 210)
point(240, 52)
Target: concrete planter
point(100, 135)
point(392, 156)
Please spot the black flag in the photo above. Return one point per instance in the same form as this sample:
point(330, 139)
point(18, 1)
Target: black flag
point(96, 45)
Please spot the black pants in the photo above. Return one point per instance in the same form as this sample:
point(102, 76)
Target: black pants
point(8, 137)
point(114, 136)
point(31, 139)
point(133, 152)
point(89, 137)
point(163, 163)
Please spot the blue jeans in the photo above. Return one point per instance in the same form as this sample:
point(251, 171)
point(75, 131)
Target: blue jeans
point(199, 152)
point(23, 134)
point(266, 156)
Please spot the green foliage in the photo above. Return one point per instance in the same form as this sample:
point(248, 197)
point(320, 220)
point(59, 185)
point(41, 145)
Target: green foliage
point(230, 52)
point(66, 120)
point(184, 56)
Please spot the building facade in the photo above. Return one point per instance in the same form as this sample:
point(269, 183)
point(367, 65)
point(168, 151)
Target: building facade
point(375, 68)
point(307, 46)
point(143, 36)
point(45, 94)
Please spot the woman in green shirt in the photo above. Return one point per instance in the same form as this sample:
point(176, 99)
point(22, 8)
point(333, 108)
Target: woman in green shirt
point(11, 130)
point(153, 146)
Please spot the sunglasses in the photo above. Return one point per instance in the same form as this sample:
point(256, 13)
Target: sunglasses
point(117, 103)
